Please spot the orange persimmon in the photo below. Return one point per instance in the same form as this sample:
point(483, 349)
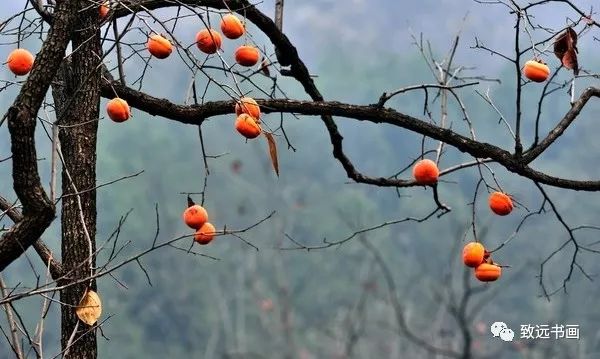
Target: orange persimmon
point(232, 27)
point(195, 216)
point(473, 254)
point(20, 62)
point(426, 172)
point(536, 71)
point(208, 41)
point(159, 46)
point(118, 110)
point(488, 272)
point(247, 55)
point(249, 106)
point(247, 126)
point(103, 10)
point(500, 203)
point(205, 234)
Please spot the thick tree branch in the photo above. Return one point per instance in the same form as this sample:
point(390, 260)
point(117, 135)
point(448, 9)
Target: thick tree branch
point(279, 14)
point(560, 128)
point(38, 210)
point(287, 55)
point(196, 114)
point(40, 247)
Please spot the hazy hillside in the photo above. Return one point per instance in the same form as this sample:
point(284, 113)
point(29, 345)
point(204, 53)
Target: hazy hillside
point(199, 307)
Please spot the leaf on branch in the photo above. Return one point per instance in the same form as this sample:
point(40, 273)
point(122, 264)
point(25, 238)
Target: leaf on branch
point(264, 67)
point(273, 151)
point(190, 201)
point(565, 49)
point(89, 308)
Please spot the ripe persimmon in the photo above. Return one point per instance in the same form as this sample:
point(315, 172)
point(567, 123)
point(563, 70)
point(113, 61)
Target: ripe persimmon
point(205, 234)
point(20, 62)
point(208, 41)
point(536, 70)
point(247, 126)
point(159, 46)
point(195, 216)
point(249, 106)
point(473, 254)
point(488, 272)
point(247, 55)
point(500, 203)
point(103, 10)
point(118, 110)
point(426, 172)
point(232, 27)
point(266, 305)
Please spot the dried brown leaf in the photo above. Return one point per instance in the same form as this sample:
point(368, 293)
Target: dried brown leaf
point(264, 67)
point(273, 151)
point(569, 60)
point(565, 49)
point(89, 308)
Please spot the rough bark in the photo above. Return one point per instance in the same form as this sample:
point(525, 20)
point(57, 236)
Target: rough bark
point(38, 210)
point(77, 96)
point(40, 247)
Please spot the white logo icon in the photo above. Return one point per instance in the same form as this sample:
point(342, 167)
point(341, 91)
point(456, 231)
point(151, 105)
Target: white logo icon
point(497, 327)
point(500, 329)
point(507, 335)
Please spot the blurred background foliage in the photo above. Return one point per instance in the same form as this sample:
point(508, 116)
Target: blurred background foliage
point(237, 306)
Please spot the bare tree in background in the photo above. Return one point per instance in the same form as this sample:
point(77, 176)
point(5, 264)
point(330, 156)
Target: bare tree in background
point(77, 81)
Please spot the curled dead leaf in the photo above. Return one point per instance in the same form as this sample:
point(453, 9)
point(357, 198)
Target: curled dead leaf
point(89, 308)
point(565, 49)
point(264, 67)
point(273, 151)
point(569, 60)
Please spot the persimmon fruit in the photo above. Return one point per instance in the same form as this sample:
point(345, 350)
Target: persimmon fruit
point(266, 305)
point(208, 41)
point(118, 110)
point(159, 46)
point(247, 126)
point(249, 106)
point(500, 203)
point(536, 71)
point(426, 172)
point(205, 234)
point(232, 27)
point(103, 10)
point(195, 216)
point(488, 272)
point(473, 254)
point(247, 55)
point(20, 62)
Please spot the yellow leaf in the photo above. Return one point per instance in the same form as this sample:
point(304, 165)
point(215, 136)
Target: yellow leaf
point(89, 308)
point(272, 151)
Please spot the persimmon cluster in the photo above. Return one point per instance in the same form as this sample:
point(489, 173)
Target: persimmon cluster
point(426, 173)
point(196, 217)
point(476, 256)
point(247, 122)
point(209, 41)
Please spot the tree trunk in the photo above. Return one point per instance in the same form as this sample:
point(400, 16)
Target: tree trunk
point(77, 99)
